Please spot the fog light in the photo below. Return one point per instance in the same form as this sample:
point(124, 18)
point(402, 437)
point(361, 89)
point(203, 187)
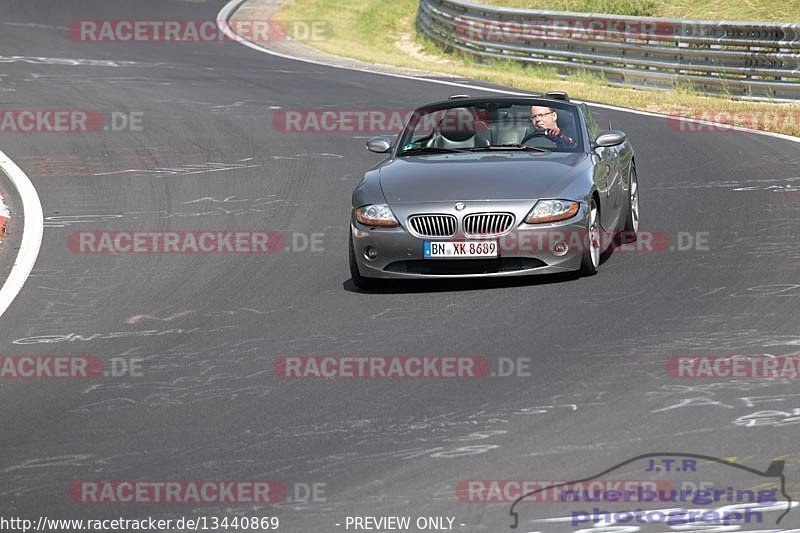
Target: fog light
point(370, 253)
point(560, 248)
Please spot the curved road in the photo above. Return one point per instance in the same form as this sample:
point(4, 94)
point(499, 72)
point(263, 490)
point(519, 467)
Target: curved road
point(208, 327)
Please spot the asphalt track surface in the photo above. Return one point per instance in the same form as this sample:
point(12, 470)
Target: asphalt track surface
point(208, 405)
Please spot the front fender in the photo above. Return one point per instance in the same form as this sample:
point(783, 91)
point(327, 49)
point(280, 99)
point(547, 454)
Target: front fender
point(368, 191)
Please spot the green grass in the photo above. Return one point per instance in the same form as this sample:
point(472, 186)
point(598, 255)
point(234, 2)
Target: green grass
point(641, 8)
point(361, 29)
point(753, 10)
point(381, 31)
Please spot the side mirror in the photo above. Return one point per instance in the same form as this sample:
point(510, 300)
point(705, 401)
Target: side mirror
point(609, 138)
point(379, 145)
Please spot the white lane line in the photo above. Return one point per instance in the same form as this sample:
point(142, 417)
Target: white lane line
point(230, 8)
point(33, 226)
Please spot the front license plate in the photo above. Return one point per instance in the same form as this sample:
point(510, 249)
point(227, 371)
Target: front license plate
point(460, 250)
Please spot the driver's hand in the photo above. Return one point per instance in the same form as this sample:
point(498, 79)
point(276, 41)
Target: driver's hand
point(552, 133)
point(555, 135)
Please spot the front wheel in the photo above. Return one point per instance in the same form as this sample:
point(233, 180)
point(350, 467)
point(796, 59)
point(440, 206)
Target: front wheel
point(632, 219)
point(590, 260)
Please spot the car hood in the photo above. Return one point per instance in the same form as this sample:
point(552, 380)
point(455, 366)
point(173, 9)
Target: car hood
point(479, 176)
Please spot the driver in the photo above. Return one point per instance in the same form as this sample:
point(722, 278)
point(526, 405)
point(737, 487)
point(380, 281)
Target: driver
point(544, 121)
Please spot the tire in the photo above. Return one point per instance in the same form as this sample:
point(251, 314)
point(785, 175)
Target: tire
point(358, 280)
point(631, 228)
point(590, 260)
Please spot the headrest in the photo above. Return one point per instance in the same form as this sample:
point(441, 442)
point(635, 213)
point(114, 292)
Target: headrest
point(457, 124)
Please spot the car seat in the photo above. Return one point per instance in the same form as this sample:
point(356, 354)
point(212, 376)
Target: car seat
point(458, 128)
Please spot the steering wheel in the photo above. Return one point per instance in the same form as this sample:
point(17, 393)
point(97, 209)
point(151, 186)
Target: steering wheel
point(542, 141)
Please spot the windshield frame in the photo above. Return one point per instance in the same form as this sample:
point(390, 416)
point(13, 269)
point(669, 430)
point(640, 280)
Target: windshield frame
point(405, 136)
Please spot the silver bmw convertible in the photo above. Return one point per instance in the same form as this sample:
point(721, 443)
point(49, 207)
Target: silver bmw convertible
point(493, 187)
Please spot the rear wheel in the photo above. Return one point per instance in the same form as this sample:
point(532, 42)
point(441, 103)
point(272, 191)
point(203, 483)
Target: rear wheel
point(590, 260)
point(358, 280)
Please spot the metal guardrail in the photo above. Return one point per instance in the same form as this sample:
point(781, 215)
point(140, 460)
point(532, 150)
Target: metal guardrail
point(741, 59)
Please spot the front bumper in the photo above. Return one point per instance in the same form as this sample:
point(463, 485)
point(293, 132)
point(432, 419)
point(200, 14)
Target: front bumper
point(525, 250)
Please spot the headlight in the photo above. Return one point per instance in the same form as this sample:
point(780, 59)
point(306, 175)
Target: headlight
point(552, 211)
point(376, 215)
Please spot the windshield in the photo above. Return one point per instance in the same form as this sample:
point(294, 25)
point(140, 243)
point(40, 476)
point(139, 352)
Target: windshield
point(493, 126)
